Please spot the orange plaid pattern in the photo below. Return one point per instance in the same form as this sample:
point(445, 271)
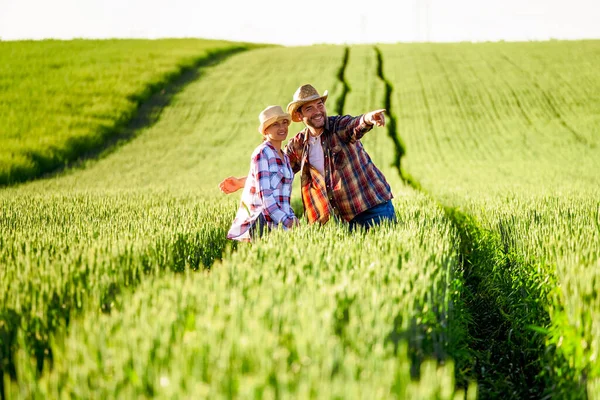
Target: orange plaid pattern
point(351, 183)
point(314, 195)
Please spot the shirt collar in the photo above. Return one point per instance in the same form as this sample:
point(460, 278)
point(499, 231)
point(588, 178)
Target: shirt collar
point(267, 143)
point(274, 149)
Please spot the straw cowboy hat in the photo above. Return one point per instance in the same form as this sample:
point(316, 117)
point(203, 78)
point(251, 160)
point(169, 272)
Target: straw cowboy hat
point(269, 116)
point(304, 94)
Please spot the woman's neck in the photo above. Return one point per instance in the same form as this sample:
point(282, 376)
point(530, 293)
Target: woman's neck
point(276, 144)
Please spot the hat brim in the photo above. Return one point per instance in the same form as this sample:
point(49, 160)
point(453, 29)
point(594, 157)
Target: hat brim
point(270, 121)
point(294, 105)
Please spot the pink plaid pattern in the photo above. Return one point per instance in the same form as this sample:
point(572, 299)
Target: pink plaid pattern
point(267, 191)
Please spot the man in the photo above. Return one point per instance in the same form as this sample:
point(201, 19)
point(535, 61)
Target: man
point(338, 177)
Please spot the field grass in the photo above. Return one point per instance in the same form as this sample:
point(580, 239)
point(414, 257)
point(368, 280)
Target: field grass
point(153, 207)
point(506, 135)
point(316, 313)
point(117, 279)
point(81, 213)
point(61, 99)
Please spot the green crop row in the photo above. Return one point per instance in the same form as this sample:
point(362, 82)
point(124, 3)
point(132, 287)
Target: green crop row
point(62, 99)
point(501, 282)
point(61, 253)
point(506, 135)
point(80, 245)
point(152, 206)
point(315, 313)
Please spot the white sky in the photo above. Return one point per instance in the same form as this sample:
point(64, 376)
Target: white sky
point(299, 22)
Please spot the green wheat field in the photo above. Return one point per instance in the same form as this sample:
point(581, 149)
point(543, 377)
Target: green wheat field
point(117, 281)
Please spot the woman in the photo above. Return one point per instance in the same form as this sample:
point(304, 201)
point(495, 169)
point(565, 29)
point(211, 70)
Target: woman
point(266, 197)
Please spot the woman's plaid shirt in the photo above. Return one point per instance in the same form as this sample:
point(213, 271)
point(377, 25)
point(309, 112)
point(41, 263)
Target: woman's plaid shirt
point(267, 191)
point(353, 183)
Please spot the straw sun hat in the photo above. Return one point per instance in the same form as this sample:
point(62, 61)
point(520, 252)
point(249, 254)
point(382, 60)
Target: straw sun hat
point(269, 116)
point(304, 94)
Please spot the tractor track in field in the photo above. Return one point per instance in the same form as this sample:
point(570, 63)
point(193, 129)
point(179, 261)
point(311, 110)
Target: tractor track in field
point(183, 251)
point(506, 356)
point(146, 115)
point(341, 101)
point(399, 148)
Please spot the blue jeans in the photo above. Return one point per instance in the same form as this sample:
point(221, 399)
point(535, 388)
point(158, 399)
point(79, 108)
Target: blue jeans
point(374, 216)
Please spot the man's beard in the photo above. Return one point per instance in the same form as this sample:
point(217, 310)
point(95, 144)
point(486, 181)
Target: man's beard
point(318, 124)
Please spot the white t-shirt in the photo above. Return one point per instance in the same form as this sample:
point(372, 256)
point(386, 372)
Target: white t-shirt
point(315, 154)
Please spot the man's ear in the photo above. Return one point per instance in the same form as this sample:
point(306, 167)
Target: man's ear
point(297, 115)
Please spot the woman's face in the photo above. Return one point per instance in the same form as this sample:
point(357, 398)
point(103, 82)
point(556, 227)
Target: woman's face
point(277, 131)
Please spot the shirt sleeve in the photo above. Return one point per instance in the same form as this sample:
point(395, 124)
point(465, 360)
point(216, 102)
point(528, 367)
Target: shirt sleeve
point(351, 129)
point(268, 191)
point(291, 149)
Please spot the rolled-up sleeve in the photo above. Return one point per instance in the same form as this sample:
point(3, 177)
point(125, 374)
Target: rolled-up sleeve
point(351, 129)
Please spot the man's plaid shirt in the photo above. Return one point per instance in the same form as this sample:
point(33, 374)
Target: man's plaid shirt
point(353, 183)
point(267, 191)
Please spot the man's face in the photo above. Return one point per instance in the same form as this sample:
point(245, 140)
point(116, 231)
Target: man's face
point(314, 114)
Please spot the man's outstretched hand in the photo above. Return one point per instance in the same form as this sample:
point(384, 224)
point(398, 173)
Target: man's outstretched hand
point(232, 184)
point(376, 117)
